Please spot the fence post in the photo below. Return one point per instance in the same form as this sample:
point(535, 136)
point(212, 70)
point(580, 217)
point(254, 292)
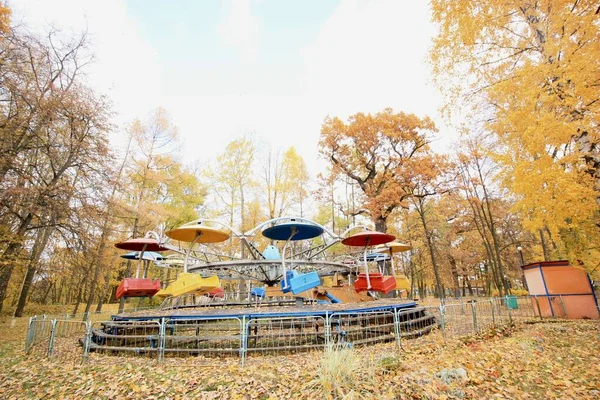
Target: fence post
point(327, 330)
point(493, 312)
point(30, 333)
point(397, 328)
point(443, 319)
point(87, 342)
point(537, 301)
point(562, 302)
point(161, 339)
point(243, 341)
point(64, 330)
point(509, 310)
point(52, 335)
point(474, 311)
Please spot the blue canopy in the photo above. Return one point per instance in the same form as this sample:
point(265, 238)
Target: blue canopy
point(284, 231)
point(148, 255)
point(271, 253)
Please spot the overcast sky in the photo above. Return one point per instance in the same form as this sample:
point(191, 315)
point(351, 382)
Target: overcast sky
point(274, 68)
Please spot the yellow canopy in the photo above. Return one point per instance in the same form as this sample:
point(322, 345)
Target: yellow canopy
point(199, 233)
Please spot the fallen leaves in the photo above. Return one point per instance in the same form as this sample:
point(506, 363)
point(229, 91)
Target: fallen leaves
point(542, 360)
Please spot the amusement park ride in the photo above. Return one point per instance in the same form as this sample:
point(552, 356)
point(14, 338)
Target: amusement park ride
point(305, 258)
point(311, 288)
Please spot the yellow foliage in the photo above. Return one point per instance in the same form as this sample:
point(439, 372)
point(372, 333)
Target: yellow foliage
point(5, 14)
point(530, 70)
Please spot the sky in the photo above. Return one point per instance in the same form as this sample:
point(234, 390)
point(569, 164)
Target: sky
point(274, 69)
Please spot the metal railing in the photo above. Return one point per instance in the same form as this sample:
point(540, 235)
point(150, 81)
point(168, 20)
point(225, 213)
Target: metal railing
point(274, 334)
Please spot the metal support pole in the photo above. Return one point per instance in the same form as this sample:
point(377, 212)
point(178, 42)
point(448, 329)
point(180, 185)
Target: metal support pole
point(52, 335)
point(327, 330)
point(243, 340)
point(562, 302)
point(538, 306)
point(474, 311)
point(397, 329)
point(443, 320)
point(65, 325)
point(161, 339)
point(87, 342)
point(30, 334)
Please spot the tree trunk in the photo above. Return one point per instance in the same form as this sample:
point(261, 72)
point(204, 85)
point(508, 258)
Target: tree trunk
point(544, 246)
point(470, 287)
point(81, 289)
point(431, 247)
point(454, 270)
point(9, 257)
point(47, 292)
point(380, 224)
point(492, 228)
point(104, 291)
point(97, 260)
point(41, 241)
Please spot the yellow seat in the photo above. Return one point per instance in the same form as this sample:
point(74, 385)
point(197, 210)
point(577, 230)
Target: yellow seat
point(163, 293)
point(190, 283)
point(402, 282)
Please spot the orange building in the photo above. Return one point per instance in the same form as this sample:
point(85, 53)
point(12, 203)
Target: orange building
point(561, 290)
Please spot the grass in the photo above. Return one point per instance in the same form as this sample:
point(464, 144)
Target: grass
point(339, 371)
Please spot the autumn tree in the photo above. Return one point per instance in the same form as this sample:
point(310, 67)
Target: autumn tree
point(159, 189)
point(53, 133)
point(339, 201)
point(5, 14)
point(477, 172)
point(429, 179)
point(231, 176)
point(283, 182)
point(380, 153)
point(530, 71)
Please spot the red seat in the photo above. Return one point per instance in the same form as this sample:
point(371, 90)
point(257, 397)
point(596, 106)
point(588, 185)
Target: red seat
point(387, 284)
point(216, 292)
point(379, 283)
point(138, 287)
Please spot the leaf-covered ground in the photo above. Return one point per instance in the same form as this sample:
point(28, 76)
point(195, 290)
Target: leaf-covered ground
point(543, 360)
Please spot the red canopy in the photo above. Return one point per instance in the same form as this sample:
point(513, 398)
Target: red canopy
point(368, 238)
point(138, 245)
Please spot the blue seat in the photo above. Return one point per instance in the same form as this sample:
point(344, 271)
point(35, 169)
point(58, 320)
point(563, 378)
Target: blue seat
point(289, 275)
point(258, 292)
point(304, 282)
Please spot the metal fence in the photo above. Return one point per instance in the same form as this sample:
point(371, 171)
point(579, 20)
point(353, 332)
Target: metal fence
point(38, 335)
point(207, 337)
point(241, 337)
point(67, 334)
point(362, 329)
point(270, 335)
point(56, 338)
